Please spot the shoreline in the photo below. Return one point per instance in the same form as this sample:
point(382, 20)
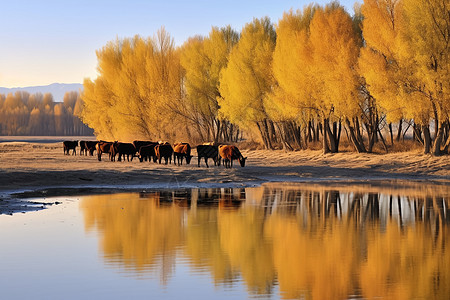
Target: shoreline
point(41, 169)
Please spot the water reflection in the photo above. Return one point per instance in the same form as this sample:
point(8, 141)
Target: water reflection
point(310, 242)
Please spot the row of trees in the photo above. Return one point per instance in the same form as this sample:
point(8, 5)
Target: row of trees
point(22, 113)
point(318, 71)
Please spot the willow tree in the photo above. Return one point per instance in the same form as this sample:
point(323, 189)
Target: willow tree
point(138, 86)
point(248, 79)
point(335, 49)
point(291, 100)
point(406, 62)
point(203, 59)
point(426, 43)
point(314, 63)
point(379, 62)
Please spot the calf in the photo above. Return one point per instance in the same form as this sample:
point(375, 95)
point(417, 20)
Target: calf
point(103, 147)
point(164, 151)
point(208, 151)
point(122, 149)
point(229, 153)
point(68, 145)
point(181, 150)
point(147, 152)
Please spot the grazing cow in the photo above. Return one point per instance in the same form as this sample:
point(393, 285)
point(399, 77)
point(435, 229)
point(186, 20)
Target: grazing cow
point(147, 152)
point(229, 153)
point(83, 149)
point(90, 146)
point(181, 150)
point(103, 147)
point(122, 149)
point(164, 150)
point(208, 151)
point(67, 145)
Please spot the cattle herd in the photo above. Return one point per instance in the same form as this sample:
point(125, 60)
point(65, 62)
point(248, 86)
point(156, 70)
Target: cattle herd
point(157, 151)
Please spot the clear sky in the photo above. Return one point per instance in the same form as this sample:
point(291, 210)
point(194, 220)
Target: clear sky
point(48, 41)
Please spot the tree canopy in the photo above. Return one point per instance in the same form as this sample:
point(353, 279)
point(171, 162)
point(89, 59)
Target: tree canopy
point(300, 81)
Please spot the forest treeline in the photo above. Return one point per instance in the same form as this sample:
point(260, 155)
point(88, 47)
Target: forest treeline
point(37, 114)
point(319, 75)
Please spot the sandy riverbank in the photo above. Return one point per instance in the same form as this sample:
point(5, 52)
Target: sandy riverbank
point(35, 166)
point(41, 169)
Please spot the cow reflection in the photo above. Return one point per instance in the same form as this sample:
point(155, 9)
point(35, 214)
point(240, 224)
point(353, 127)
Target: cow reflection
point(223, 198)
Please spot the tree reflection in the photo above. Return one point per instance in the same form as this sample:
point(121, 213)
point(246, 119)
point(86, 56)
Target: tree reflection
point(313, 242)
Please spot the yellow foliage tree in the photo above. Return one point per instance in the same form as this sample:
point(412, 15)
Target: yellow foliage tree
point(247, 79)
point(290, 100)
point(426, 46)
point(203, 59)
point(335, 49)
point(138, 92)
point(406, 62)
point(314, 64)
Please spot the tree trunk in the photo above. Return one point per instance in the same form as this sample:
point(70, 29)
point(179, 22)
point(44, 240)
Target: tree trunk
point(399, 131)
point(263, 135)
point(418, 133)
point(317, 135)
point(353, 137)
point(438, 140)
point(447, 145)
point(427, 139)
point(331, 137)
point(309, 135)
point(383, 141)
point(391, 134)
point(325, 147)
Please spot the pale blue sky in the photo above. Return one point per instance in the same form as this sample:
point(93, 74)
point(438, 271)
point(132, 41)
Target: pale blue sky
point(43, 42)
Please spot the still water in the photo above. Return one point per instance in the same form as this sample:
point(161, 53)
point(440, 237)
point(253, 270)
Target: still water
point(270, 242)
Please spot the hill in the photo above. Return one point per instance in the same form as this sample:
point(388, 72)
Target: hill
point(56, 89)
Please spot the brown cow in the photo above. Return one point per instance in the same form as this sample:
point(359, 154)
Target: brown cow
point(181, 150)
point(103, 147)
point(229, 153)
point(164, 150)
point(68, 145)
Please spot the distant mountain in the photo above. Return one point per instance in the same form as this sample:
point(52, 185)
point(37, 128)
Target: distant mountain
point(56, 89)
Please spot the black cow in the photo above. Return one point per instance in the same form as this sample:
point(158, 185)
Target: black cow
point(83, 149)
point(147, 152)
point(68, 145)
point(123, 149)
point(90, 147)
point(164, 151)
point(208, 151)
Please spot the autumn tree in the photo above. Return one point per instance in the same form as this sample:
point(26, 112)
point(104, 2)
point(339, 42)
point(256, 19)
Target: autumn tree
point(314, 64)
point(405, 63)
point(202, 60)
point(291, 101)
point(22, 113)
point(247, 79)
point(426, 46)
point(137, 90)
